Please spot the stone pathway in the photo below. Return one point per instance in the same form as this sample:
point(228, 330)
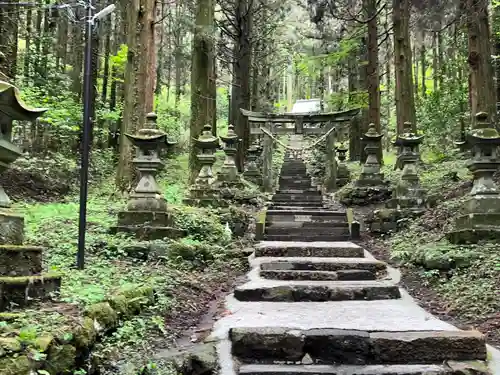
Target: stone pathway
point(316, 303)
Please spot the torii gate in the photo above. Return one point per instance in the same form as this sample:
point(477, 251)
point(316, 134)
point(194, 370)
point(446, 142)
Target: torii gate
point(266, 124)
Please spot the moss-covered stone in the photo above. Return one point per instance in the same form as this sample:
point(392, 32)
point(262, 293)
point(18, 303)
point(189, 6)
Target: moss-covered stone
point(85, 335)
point(9, 317)
point(120, 304)
point(43, 342)
point(139, 297)
point(200, 360)
point(104, 314)
point(15, 365)
point(10, 344)
point(61, 359)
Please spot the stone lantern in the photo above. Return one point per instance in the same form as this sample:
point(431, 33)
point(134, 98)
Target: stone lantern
point(343, 174)
point(146, 215)
point(480, 215)
point(370, 174)
point(229, 172)
point(21, 271)
point(252, 171)
point(202, 192)
point(408, 192)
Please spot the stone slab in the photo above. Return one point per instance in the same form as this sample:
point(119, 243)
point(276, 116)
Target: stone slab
point(317, 226)
point(311, 249)
point(20, 260)
point(315, 291)
point(264, 369)
point(318, 264)
point(22, 290)
point(11, 228)
point(318, 275)
point(388, 315)
point(331, 232)
point(355, 347)
point(307, 238)
point(413, 347)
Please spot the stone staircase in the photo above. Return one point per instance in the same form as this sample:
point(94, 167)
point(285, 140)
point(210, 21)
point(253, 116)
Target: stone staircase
point(316, 303)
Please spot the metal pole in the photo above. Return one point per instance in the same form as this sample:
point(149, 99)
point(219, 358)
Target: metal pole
point(87, 128)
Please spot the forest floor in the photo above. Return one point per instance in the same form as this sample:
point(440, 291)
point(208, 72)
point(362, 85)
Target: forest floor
point(189, 276)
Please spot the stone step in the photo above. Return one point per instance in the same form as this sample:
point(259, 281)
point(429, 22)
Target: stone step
point(442, 369)
point(308, 249)
point(341, 275)
point(294, 177)
point(287, 208)
point(315, 291)
point(343, 229)
point(20, 260)
point(20, 291)
point(307, 225)
point(334, 346)
point(305, 219)
point(281, 202)
point(307, 238)
point(298, 197)
point(304, 212)
point(308, 191)
point(322, 264)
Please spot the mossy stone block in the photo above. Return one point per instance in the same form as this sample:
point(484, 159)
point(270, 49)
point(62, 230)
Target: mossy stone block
point(20, 260)
point(104, 314)
point(86, 334)
point(120, 304)
point(15, 365)
point(43, 342)
point(10, 344)
point(61, 359)
point(11, 228)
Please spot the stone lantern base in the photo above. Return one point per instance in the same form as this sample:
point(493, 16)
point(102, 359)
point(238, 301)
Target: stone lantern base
point(201, 196)
point(22, 279)
point(147, 225)
point(480, 221)
point(254, 176)
point(343, 175)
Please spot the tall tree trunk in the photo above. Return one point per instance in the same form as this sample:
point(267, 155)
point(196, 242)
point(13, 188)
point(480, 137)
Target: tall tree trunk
point(405, 101)
point(372, 70)
point(107, 53)
point(423, 65)
point(241, 94)
point(201, 74)
point(77, 53)
point(131, 110)
point(27, 50)
point(9, 20)
point(481, 88)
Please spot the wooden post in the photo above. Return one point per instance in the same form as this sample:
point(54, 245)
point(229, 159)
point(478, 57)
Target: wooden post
point(267, 160)
point(331, 162)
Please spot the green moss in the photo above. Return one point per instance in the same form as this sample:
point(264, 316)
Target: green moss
point(19, 248)
point(9, 317)
point(120, 304)
point(43, 342)
point(15, 365)
point(10, 344)
point(104, 314)
point(138, 297)
point(85, 335)
point(61, 358)
point(25, 280)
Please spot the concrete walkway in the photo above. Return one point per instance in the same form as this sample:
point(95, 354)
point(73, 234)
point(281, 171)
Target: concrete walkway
point(316, 303)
